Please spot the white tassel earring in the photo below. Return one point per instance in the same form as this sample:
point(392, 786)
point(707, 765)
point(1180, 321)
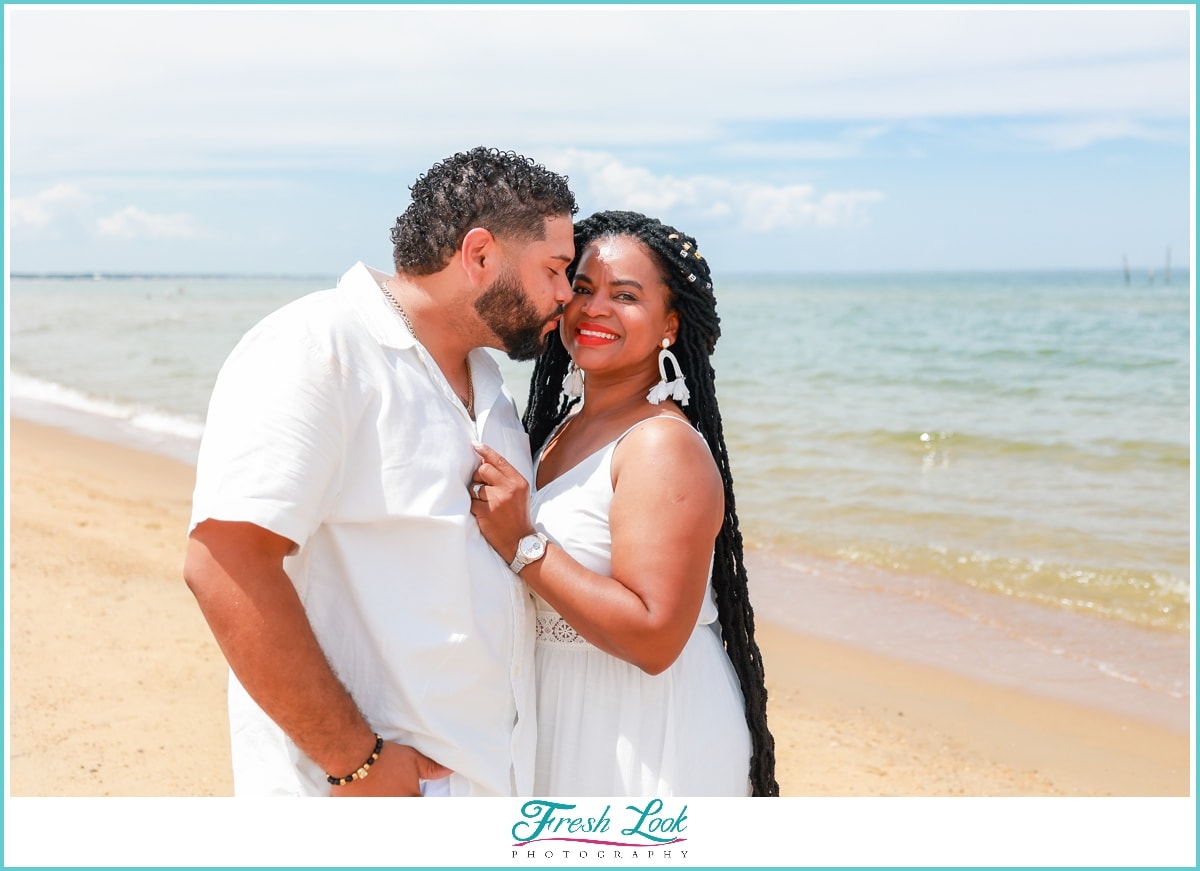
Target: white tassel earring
point(572, 384)
point(665, 389)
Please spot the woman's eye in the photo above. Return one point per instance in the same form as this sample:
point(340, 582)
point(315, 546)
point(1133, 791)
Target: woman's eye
point(578, 289)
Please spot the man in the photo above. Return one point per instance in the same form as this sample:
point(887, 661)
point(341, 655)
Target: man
point(377, 645)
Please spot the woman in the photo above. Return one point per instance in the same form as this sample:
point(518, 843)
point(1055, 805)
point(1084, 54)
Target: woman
point(649, 678)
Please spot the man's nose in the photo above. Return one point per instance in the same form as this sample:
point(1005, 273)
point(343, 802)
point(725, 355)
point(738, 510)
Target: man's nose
point(562, 291)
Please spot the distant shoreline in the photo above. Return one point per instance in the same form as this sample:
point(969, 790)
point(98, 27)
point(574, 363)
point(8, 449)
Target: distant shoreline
point(165, 276)
point(1180, 272)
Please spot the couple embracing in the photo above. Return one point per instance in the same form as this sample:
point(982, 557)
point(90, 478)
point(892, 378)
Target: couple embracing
point(419, 593)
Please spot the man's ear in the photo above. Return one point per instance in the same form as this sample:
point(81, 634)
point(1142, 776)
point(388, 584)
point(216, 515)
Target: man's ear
point(480, 255)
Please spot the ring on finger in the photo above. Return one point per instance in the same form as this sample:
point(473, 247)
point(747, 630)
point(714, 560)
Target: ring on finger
point(477, 491)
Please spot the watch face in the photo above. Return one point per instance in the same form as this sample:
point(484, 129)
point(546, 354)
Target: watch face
point(532, 547)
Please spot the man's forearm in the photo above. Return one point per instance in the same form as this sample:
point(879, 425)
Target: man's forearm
point(236, 573)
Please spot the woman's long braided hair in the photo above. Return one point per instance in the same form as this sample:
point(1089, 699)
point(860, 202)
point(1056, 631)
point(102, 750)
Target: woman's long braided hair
point(687, 276)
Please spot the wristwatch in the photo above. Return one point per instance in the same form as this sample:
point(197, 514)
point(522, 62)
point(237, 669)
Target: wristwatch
point(530, 549)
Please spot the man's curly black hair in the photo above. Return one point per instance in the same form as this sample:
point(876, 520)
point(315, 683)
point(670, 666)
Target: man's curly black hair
point(501, 191)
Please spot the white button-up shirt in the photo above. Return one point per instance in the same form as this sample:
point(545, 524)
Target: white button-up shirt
point(331, 426)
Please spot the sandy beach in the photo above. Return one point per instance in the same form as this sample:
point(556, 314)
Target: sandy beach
point(112, 666)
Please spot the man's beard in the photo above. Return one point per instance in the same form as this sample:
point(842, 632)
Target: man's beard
point(506, 309)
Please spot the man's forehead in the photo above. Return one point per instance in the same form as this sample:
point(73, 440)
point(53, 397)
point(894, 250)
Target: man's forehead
point(560, 237)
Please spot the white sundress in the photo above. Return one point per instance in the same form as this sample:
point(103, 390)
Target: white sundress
point(605, 727)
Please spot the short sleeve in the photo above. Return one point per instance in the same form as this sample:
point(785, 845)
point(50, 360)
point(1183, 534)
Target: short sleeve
point(273, 445)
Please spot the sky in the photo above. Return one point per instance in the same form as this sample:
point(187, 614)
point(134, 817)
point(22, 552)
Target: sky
point(283, 139)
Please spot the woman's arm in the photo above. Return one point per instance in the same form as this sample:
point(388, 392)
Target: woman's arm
point(667, 508)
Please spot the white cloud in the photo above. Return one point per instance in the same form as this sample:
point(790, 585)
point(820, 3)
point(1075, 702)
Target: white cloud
point(41, 209)
point(1074, 135)
point(217, 87)
point(697, 111)
point(766, 208)
point(849, 143)
point(604, 181)
point(134, 223)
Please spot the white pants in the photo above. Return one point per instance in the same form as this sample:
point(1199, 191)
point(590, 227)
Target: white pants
point(439, 788)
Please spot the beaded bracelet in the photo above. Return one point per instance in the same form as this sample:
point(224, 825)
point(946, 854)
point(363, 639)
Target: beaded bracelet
point(362, 771)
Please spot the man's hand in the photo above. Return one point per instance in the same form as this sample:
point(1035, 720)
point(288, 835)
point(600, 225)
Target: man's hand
point(398, 771)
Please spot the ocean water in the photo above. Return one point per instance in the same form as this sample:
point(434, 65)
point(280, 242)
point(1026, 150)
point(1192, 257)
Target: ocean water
point(1006, 443)
point(1028, 435)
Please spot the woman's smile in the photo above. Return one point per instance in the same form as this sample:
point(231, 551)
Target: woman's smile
point(593, 335)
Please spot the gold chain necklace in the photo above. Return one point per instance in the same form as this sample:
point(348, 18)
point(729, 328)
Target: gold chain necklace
point(469, 402)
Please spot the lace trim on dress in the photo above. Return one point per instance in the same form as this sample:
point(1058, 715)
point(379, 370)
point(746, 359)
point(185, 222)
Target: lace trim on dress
point(553, 629)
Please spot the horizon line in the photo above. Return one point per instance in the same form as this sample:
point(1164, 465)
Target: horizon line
point(293, 276)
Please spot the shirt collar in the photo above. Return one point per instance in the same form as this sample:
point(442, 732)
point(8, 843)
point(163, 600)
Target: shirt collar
point(362, 284)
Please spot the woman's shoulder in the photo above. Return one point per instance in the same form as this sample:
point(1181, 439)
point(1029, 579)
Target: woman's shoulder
point(660, 443)
point(663, 464)
point(664, 424)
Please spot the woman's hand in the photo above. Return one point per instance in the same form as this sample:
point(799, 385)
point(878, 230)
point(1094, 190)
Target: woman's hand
point(500, 502)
